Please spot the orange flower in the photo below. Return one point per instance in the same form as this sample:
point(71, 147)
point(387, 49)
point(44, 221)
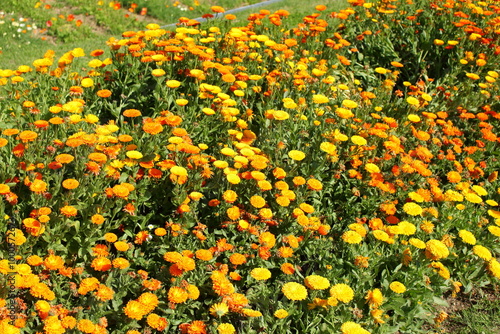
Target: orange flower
point(97, 219)
point(27, 136)
point(64, 158)
point(70, 184)
point(101, 263)
point(217, 9)
point(53, 262)
point(132, 113)
point(104, 93)
point(38, 186)
point(177, 295)
point(69, 211)
point(152, 128)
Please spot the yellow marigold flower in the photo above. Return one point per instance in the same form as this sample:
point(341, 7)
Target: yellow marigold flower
point(494, 267)
point(251, 313)
point(407, 228)
point(294, 291)
point(158, 72)
point(349, 104)
point(467, 237)
point(296, 155)
point(412, 101)
point(473, 198)
point(219, 309)
point(353, 328)
point(397, 287)
point(226, 328)
point(319, 99)
point(372, 168)
point(342, 292)
point(179, 171)
point(351, 237)
point(472, 76)
point(173, 83)
point(417, 243)
point(414, 118)
point(358, 140)
point(260, 274)
point(344, 113)
point(413, 209)
point(436, 250)
point(374, 298)
point(281, 313)
point(316, 282)
point(495, 230)
point(280, 115)
point(134, 155)
point(482, 252)
point(181, 102)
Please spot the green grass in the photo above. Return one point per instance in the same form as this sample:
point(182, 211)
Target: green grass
point(475, 313)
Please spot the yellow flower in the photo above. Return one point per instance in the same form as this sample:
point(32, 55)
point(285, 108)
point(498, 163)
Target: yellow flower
point(414, 118)
point(319, 99)
point(280, 115)
point(412, 101)
point(349, 104)
point(342, 292)
point(226, 328)
point(316, 282)
point(482, 252)
point(134, 155)
point(173, 83)
point(374, 298)
point(397, 287)
point(436, 250)
point(296, 155)
point(413, 209)
point(260, 274)
point(219, 309)
point(467, 237)
point(351, 237)
point(281, 313)
point(358, 140)
point(294, 291)
point(158, 72)
point(372, 168)
point(179, 171)
point(352, 328)
point(181, 102)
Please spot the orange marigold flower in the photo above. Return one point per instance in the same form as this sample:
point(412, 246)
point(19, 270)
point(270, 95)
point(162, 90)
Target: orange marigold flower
point(177, 295)
point(27, 136)
point(101, 263)
point(104, 93)
point(70, 184)
point(38, 186)
point(134, 310)
point(53, 262)
point(69, 211)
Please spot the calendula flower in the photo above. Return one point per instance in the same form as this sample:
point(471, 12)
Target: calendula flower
point(436, 250)
point(374, 298)
point(397, 287)
point(316, 282)
point(353, 328)
point(342, 292)
point(296, 155)
point(219, 309)
point(482, 252)
point(281, 314)
point(413, 209)
point(467, 237)
point(358, 140)
point(260, 274)
point(226, 328)
point(352, 237)
point(294, 291)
